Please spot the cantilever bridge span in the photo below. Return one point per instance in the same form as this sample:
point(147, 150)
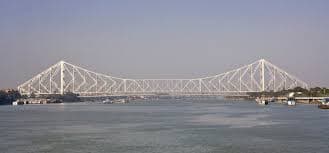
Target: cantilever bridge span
point(64, 77)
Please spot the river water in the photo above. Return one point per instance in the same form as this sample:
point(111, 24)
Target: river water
point(164, 126)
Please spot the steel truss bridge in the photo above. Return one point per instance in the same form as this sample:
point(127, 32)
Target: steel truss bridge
point(64, 77)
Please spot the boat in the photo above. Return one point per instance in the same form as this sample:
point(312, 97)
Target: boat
point(19, 102)
point(261, 101)
point(321, 106)
point(324, 104)
point(291, 99)
point(272, 100)
point(115, 101)
point(120, 101)
point(15, 102)
point(291, 103)
point(107, 101)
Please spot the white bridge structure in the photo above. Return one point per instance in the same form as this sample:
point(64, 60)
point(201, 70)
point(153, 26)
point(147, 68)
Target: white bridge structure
point(64, 77)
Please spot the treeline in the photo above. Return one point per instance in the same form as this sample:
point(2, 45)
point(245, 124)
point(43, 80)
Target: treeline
point(67, 97)
point(7, 97)
point(302, 92)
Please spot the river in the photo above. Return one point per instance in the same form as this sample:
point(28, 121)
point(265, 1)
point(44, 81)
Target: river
point(164, 126)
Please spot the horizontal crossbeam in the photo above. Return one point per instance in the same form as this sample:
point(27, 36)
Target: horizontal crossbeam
point(64, 77)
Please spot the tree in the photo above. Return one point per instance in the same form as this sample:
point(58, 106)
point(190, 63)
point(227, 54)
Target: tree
point(6, 98)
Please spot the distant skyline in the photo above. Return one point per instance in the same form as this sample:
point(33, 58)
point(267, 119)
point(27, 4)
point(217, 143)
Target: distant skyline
point(163, 39)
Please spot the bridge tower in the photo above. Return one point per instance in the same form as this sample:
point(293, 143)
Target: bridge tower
point(64, 77)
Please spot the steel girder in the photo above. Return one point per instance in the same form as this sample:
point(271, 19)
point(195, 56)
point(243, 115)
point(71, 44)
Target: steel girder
point(64, 77)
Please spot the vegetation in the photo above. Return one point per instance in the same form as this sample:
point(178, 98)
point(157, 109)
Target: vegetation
point(8, 96)
point(67, 97)
point(312, 92)
point(70, 97)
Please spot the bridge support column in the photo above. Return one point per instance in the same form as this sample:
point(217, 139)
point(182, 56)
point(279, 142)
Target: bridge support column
point(263, 74)
point(200, 86)
point(62, 78)
point(124, 85)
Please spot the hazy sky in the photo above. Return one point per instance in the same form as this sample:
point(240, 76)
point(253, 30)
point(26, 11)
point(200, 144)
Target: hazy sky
point(163, 39)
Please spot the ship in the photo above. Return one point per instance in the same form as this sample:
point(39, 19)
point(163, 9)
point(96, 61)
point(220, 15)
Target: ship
point(291, 99)
point(107, 101)
point(262, 101)
point(324, 104)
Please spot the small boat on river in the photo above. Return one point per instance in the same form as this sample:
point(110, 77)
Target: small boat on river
point(291, 99)
point(262, 101)
point(107, 101)
point(115, 101)
point(121, 101)
point(324, 104)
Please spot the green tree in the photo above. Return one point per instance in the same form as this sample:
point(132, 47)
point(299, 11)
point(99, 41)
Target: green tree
point(6, 98)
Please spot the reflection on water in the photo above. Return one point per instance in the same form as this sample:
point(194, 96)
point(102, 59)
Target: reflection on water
point(198, 126)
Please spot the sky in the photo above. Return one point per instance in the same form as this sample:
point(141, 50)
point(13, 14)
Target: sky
point(163, 39)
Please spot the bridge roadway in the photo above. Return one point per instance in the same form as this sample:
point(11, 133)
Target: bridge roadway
point(64, 77)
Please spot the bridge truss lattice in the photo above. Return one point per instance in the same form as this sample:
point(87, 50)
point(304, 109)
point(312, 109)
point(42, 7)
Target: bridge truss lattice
point(64, 77)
